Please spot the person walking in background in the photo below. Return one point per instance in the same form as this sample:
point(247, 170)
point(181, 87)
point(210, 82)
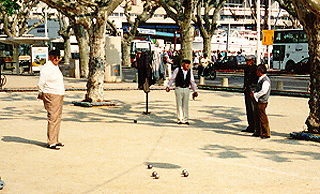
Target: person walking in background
point(261, 97)
point(204, 62)
point(249, 85)
point(51, 91)
point(183, 78)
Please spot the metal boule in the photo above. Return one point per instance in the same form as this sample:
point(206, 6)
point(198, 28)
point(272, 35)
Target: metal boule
point(184, 171)
point(1, 184)
point(157, 176)
point(154, 173)
point(149, 166)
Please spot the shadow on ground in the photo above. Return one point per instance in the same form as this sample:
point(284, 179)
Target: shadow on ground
point(23, 140)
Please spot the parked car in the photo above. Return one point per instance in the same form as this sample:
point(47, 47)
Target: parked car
point(231, 62)
point(302, 67)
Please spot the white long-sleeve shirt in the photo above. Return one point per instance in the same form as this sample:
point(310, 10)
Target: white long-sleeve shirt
point(264, 90)
point(175, 73)
point(51, 79)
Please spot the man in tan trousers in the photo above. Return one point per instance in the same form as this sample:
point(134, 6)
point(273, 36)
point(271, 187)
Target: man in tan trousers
point(51, 91)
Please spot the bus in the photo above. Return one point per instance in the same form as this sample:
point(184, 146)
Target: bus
point(289, 47)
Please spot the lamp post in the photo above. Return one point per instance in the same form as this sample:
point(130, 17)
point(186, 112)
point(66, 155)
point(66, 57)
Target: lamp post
point(46, 22)
point(258, 59)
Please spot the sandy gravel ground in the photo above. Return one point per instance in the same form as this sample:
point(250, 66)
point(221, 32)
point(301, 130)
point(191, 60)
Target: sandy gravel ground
point(106, 152)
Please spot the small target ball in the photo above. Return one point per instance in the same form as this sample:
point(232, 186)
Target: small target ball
point(135, 121)
point(157, 176)
point(186, 174)
point(184, 171)
point(150, 166)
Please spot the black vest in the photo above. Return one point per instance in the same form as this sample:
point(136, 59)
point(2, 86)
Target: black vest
point(180, 81)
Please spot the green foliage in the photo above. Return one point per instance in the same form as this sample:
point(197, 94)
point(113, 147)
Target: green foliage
point(9, 7)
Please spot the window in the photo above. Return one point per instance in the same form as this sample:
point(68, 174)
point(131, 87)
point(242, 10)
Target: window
point(292, 36)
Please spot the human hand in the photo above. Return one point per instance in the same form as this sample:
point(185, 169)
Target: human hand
point(252, 94)
point(194, 95)
point(40, 96)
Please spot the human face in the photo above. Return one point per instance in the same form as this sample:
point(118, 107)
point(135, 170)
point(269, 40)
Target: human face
point(55, 59)
point(185, 66)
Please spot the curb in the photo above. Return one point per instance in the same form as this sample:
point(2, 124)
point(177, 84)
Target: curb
point(240, 90)
point(69, 89)
point(203, 87)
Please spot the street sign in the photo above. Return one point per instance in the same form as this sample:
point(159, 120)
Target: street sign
point(267, 37)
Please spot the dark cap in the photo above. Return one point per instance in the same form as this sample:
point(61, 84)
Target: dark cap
point(186, 61)
point(54, 53)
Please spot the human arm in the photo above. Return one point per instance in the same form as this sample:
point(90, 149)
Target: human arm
point(263, 91)
point(40, 85)
point(172, 79)
point(192, 82)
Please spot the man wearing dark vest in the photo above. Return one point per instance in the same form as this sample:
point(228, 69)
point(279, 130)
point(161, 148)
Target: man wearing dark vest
point(183, 78)
point(250, 83)
point(261, 96)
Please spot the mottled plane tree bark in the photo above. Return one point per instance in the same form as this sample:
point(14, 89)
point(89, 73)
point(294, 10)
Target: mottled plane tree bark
point(181, 12)
point(308, 13)
point(82, 37)
point(93, 16)
point(149, 8)
point(206, 17)
point(15, 16)
point(65, 33)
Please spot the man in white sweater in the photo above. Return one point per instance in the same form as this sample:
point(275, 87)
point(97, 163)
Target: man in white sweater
point(51, 91)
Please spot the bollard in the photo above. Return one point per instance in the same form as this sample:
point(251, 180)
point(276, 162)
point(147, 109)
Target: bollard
point(201, 80)
point(225, 82)
point(279, 85)
point(76, 68)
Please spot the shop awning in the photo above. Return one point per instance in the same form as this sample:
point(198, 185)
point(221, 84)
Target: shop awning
point(23, 40)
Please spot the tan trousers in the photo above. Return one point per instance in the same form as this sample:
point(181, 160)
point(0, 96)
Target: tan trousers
point(262, 122)
point(53, 104)
point(182, 100)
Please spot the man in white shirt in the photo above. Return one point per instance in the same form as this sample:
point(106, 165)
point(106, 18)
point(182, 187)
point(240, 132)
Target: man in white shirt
point(183, 78)
point(261, 97)
point(51, 91)
point(204, 62)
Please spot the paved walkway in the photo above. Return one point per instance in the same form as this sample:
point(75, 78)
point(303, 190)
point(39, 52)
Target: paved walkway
point(106, 152)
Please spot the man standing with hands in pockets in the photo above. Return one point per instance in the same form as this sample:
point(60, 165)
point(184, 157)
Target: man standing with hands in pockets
point(261, 97)
point(51, 91)
point(183, 78)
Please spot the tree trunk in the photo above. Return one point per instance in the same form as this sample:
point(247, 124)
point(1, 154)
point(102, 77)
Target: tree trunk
point(187, 36)
point(97, 61)
point(84, 49)
point(126, 53)
point(207, 45)
point(67, 49)
point(312, 29)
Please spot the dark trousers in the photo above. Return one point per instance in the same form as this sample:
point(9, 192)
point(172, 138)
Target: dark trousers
point(249, 101)
point(262, 122)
